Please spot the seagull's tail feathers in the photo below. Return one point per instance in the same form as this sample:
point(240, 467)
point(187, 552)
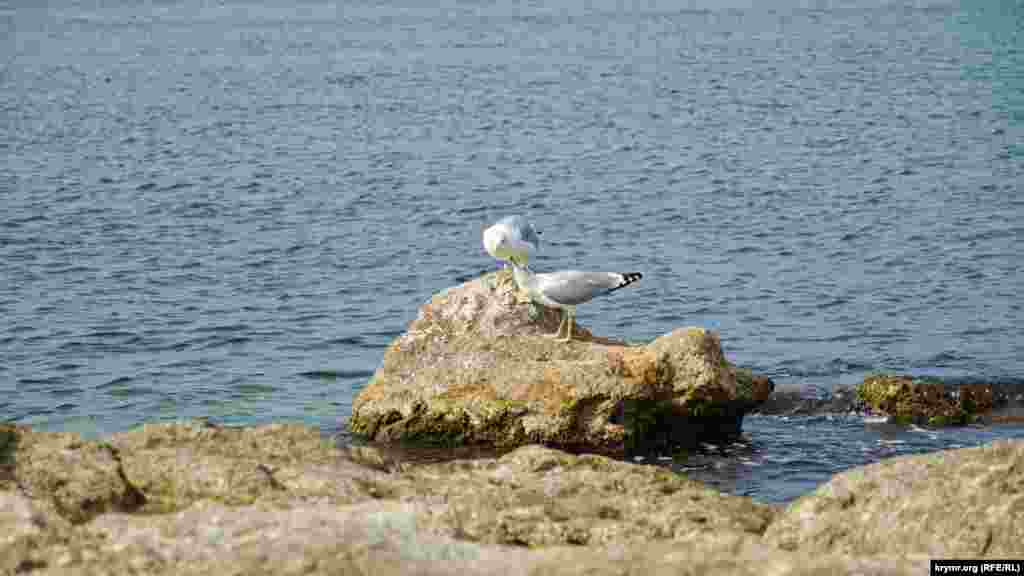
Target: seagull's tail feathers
point(627, 278)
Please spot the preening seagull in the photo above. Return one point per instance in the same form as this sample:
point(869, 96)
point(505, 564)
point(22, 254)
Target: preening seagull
point(511, 238)
point(568, 288)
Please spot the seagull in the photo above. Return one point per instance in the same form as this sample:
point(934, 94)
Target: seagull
point(566, 289)
point(511, 237)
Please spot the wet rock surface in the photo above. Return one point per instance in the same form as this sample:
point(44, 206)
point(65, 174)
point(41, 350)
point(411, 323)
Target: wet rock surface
point(905, 399)
point(477, 366)
point(928, 402)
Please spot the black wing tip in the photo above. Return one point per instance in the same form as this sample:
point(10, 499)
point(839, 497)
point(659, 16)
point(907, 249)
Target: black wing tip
point(628, 278)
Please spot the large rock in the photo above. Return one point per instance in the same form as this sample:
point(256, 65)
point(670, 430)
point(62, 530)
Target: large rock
point(965, 503)
point(176, 465)
point(477, 366)
point(536, 496)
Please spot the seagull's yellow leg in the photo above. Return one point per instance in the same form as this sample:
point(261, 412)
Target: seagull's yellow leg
point(560, 322)
point(567, 315)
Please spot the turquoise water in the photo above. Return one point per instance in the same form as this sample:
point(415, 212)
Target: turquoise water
point(228, 210)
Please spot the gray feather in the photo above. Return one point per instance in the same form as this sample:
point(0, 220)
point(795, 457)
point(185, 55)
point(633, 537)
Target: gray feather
point(572, 287)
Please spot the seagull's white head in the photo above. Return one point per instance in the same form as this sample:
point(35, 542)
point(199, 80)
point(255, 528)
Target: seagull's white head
point(495, 242)
point(512, 239)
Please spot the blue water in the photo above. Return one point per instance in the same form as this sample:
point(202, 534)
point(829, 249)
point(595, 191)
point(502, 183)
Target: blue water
point(228, 210)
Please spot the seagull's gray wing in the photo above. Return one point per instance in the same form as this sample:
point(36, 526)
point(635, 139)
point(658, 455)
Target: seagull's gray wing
point(572, 287)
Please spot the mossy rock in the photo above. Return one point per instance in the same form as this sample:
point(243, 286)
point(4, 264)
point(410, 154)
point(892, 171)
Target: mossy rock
point(922, 401)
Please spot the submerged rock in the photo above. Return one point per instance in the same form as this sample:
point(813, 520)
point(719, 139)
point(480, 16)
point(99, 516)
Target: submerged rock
point(476, 366)
point(965, 503)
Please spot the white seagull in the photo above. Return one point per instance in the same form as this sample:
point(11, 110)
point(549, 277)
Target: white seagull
point(511, 238)
point(568, 288)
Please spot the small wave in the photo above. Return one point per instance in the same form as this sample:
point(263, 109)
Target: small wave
point(130, 391)
point(63, 392)
point(303, 318)
point(39, 382)
point(329, 374)
point(250, 388)
point(885, 442)
point(743, 250)
point(214, 343)
point(179, 186)
point(120, 381)
point(944, 359)
point(833, 367)
point(223, 328)
point(833, 302)
point(109, 334)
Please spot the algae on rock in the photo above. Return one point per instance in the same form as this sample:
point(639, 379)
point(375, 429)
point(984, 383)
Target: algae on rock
point(926, 402)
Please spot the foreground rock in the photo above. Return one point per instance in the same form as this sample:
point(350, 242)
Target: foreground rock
point(965, 503)
point(535, 497)
point(279, 500)
point(78, 479)
point(478, 367)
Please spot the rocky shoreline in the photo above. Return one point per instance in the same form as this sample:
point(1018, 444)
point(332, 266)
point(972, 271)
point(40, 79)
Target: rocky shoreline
point(195, 498)
point(475, 369)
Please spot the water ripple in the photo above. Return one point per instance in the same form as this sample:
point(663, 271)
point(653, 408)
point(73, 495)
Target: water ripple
point(242, 234)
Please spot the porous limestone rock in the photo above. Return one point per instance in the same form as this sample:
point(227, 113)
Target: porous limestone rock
point(530, 496)
point(385, 538)
point(965, 503)
point(477, 366)
point(78, 479)
point(175, 465)
point(279, 499)
point(535, 496)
